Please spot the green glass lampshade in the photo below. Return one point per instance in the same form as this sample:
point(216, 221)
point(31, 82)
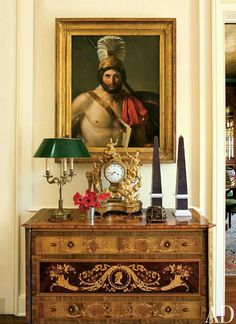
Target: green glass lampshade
point(62, 148)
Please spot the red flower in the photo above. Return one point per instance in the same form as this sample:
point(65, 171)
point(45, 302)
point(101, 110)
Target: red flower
point(90, 199)
point(90, 193)
point(103, 196)
point(77, 198)
point(97, 204)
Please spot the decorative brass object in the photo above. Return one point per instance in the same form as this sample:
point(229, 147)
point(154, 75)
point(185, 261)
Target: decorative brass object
point(66, 149)
point(155, 214)
point(64, 178)
point(122, 172)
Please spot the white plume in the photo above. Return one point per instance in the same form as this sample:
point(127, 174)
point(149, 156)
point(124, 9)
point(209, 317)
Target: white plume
point(111, 45)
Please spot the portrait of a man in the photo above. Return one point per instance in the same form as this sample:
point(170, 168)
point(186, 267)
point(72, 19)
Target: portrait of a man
point(114, 100)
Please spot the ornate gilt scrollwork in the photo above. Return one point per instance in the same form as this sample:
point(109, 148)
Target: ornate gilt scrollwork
point(124, 194)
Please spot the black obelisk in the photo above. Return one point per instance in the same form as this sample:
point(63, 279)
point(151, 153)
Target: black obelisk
point(181, 191)
point(156, 212)
point(156, 195)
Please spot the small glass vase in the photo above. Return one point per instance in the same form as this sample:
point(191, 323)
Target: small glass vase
point(90, 213)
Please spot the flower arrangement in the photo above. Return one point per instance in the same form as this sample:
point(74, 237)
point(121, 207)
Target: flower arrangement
point(90, 199)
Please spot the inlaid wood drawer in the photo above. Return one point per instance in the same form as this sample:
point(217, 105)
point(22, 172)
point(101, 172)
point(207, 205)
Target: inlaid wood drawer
point(119, 244)
point(118, 277)
point(136, 310)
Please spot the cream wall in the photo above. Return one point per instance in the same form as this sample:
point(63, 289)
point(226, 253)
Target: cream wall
point(28, 113)
point(187, 98)
point(8, 152)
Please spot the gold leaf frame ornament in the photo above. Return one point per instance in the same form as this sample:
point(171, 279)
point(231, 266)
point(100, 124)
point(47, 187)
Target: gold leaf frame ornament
point(158, 68)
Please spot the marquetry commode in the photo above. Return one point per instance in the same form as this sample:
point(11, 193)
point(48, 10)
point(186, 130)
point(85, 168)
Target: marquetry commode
point(117, 270)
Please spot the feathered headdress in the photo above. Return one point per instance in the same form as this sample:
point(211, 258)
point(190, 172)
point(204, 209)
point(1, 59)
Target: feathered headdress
point(111, 46)
point(111, 52)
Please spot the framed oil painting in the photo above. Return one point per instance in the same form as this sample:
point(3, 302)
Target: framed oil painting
point(115, 79)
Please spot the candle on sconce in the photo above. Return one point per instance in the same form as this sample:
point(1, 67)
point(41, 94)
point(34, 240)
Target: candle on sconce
point(47, 164)
point(65, 164)
point(71, 163)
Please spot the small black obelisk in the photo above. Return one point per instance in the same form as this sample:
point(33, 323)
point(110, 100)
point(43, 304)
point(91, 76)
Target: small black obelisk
point(156, 195)
point(181, 192)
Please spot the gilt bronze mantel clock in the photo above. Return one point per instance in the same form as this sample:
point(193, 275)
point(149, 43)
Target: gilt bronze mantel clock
point(123, 177)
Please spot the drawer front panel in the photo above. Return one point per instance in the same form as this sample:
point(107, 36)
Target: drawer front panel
point(119, 244)
point(85, 276)
point(120, 310)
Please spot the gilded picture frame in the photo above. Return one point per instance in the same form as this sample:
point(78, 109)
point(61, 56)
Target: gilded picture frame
point(151, 69)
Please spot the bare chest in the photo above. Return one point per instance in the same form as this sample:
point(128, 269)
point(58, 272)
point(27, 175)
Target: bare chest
point(103, 114)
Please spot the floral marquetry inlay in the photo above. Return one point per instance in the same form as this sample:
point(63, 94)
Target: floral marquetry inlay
point(125, 277)
point(139, 245)
point(118, 244)
point(99, 245)
point(136, 310)
point(154, 245)
point(124, 310)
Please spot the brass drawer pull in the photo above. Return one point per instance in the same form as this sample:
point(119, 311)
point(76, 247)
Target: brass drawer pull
point(53, 244)
point(185, 309)
point(167, 244)
point(53, 309)
point(72, 309)
point(184, 244)
point(168, 309)
point(70, 244)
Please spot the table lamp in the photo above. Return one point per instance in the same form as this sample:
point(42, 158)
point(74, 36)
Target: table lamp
point(66, 149)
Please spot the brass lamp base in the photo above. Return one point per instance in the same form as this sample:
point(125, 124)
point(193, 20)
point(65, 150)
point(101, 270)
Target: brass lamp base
point(59, 215)
point(117, 205)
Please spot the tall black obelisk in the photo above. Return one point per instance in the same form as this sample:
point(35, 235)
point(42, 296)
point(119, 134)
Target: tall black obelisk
point(181, 192)
point(156, 195)
point(156, 212)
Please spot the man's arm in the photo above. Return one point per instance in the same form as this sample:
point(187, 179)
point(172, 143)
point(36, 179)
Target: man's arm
point(79, 105)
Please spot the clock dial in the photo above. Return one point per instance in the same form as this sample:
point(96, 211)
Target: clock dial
point(115, 172)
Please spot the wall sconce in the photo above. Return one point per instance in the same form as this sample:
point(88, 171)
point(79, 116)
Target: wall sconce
point(66, 149)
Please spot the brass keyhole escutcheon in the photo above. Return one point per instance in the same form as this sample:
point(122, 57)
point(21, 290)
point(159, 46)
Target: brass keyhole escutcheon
point(167, 244)
point(168, 309)
point(70, 244)
point(72, 309)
